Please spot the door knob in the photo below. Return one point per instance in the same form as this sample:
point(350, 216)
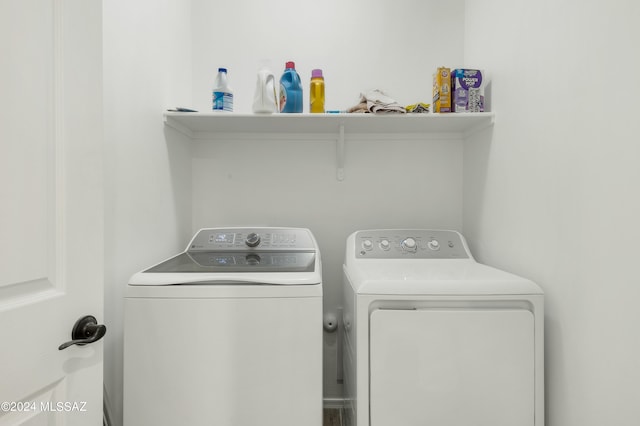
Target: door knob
point(86, 330)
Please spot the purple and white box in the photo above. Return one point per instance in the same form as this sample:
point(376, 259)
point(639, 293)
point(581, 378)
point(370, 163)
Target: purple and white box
point(468, 90)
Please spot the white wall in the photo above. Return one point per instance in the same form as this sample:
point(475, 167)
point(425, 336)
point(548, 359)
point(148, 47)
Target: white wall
point(147, 59)
point(552, 192)
point(360, 45)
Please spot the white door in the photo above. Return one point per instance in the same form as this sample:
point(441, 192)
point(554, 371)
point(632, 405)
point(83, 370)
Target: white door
point(51, 242)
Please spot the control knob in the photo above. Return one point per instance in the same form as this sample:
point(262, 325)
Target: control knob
point(385, 245)
point(434, 245)
point(367, 245)
point(252, 240)
point(409, 244)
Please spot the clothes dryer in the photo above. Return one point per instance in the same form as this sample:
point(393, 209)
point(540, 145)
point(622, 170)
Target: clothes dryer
point(433, 337)
point(229, 332)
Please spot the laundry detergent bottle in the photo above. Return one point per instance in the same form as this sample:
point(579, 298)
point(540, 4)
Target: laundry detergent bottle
point(265, 100)
point(316, 92)
point(290, 89)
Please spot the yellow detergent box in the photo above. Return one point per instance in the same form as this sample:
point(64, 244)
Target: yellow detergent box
point(442, 90)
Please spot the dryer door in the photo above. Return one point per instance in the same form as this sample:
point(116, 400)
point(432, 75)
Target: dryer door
point(452, 367)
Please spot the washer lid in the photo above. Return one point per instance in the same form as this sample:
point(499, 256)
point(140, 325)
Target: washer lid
point(227, 262)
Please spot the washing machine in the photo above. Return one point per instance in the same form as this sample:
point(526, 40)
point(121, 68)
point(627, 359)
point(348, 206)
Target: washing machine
point(433, 337)
point(228, 332)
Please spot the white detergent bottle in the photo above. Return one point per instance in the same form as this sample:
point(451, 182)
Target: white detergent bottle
point(221, 94)
point(265, 98)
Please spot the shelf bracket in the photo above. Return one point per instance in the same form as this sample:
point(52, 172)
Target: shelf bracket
point(340, 154)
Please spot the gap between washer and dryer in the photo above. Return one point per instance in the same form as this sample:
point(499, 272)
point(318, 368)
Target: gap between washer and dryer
point(332, 417)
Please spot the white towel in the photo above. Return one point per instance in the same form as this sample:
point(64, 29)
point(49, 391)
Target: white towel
point(378, 102)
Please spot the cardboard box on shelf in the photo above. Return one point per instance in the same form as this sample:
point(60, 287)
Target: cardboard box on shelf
point(468, 90)
point(442, 90)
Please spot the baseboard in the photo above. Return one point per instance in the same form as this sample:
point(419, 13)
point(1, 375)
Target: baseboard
point(333, 402)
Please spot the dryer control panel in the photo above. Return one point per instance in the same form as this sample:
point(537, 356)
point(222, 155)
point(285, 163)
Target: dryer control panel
point(410, 244)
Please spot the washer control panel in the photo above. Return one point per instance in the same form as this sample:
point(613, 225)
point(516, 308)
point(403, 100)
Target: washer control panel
point(410, 244)
point(243, 239)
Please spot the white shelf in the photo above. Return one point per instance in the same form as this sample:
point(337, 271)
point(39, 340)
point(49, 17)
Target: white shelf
point(335, 127)
point(216, 125)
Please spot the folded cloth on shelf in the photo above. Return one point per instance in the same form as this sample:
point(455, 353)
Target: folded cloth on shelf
point(419, 108)
point(376, 101)
point(361, 107)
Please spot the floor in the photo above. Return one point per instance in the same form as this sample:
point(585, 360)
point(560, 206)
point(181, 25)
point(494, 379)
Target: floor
point(332, 417)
